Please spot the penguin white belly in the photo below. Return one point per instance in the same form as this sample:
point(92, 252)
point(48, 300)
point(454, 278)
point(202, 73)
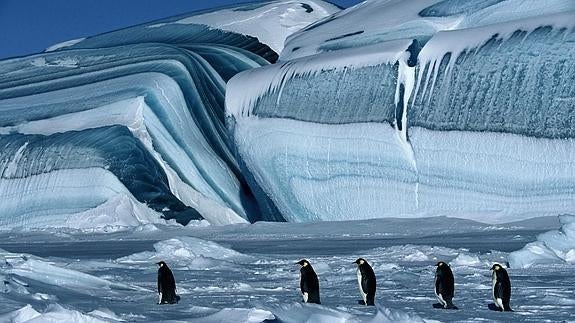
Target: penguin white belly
point(498, 301)
point(363, 295)
point(305, 297)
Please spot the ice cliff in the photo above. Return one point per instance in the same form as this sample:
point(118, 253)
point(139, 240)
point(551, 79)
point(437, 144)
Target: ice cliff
point(416, 108)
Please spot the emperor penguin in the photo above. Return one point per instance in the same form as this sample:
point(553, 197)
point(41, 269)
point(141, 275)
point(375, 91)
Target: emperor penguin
point(444, 285)
point(166, 285)
point(309, 284)
point(366, 281)
point(501, 288)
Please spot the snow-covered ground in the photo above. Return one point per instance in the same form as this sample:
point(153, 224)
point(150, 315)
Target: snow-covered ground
point(248, 273)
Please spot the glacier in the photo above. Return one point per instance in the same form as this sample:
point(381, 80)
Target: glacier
point(424, 108)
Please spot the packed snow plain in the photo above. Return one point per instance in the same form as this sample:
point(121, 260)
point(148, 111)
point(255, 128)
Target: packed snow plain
point(248, 272)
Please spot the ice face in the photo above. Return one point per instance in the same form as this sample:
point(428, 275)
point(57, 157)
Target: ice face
point(472, 119)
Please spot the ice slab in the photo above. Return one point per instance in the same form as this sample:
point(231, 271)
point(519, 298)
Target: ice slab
point(53, 314)
point(553, 247)
point(187, 252)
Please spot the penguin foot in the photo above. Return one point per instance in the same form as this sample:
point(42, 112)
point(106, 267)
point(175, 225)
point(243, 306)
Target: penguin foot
point(441, 306)
point(437, 305)
point(360, 302)
point(450, 306)
point(494, 307)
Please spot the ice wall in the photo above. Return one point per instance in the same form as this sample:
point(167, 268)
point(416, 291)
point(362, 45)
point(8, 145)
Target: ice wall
point(471, 118)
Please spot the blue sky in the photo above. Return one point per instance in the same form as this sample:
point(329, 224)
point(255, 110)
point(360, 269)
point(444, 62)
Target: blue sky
point(30, 26)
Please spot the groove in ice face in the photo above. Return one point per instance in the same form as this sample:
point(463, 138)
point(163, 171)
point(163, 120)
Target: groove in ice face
point(508, 84)
point(12, 165)
point(251, 86)
point(459, 41)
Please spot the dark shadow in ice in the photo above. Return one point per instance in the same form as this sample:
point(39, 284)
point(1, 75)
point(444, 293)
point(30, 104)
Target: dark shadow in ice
point(456, 7)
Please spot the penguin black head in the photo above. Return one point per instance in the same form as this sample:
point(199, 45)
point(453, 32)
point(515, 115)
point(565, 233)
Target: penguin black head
point(440, 264)
point(496, 267)
point(303, 262)
point(360, 261)
point(161, 263)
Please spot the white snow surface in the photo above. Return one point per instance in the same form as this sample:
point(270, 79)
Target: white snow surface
point(53, 314)
point(271, 22)
point(248, 273)
point(375, 21)
point(64, 44)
